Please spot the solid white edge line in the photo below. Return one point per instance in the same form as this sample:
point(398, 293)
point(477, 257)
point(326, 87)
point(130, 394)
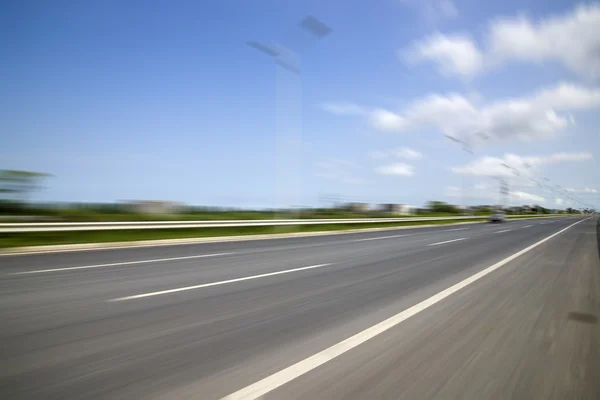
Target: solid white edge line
point(447, 241)
point(380, 237)
point(40, 271)
point(204, 285)
point(272, 382)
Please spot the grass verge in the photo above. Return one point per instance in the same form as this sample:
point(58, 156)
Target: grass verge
point(8, 240)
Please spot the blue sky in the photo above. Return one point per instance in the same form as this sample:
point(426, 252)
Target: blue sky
point(165, 100)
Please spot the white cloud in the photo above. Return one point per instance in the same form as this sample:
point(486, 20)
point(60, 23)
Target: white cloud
point(432, 110)
point(454, 55)
point(484, 166)
point(534, 117)
point(385, 120)
point(559, 157)
point(567, 96)
point(519, 120)
point(526, 196)
point(490, 193)
point(583, 190)
point(402, 153)
point(407, 153)
point(571, 39)
point(525, 166)
point(399, 169)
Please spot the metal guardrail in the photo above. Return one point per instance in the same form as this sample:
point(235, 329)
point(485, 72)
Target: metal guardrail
point(19, 227)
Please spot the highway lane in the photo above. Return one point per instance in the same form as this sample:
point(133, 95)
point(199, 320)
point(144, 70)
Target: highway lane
point(66, 339)
point(76, 258)
point(117, 279)
point(529, 331)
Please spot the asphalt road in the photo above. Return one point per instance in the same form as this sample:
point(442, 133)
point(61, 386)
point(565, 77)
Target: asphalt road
point(449, 312)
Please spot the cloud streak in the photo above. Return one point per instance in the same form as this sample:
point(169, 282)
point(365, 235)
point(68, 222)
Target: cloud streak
point(570, 39)
point(524, 165)
point(401, 153)
point(490, 193)
point(396, 169)
point(583, 190)
point(541, 115)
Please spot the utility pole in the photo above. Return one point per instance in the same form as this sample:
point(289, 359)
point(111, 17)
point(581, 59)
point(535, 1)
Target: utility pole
point(516, 173)
point(537, 184)
point(503, 193)
point(288, 109)
point(468, 148)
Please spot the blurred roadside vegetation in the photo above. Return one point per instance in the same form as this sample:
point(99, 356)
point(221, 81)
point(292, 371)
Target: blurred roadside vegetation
point(17, 189)
point(13, 211)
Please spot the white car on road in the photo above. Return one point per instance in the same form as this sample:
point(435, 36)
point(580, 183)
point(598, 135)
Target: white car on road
point(497, 216)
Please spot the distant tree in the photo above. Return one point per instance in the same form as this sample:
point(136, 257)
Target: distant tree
point(18, 185)
point(442, 207)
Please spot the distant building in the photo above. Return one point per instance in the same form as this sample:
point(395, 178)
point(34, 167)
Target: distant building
point(358, 207)
point(153, 206)
point(398, 209)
